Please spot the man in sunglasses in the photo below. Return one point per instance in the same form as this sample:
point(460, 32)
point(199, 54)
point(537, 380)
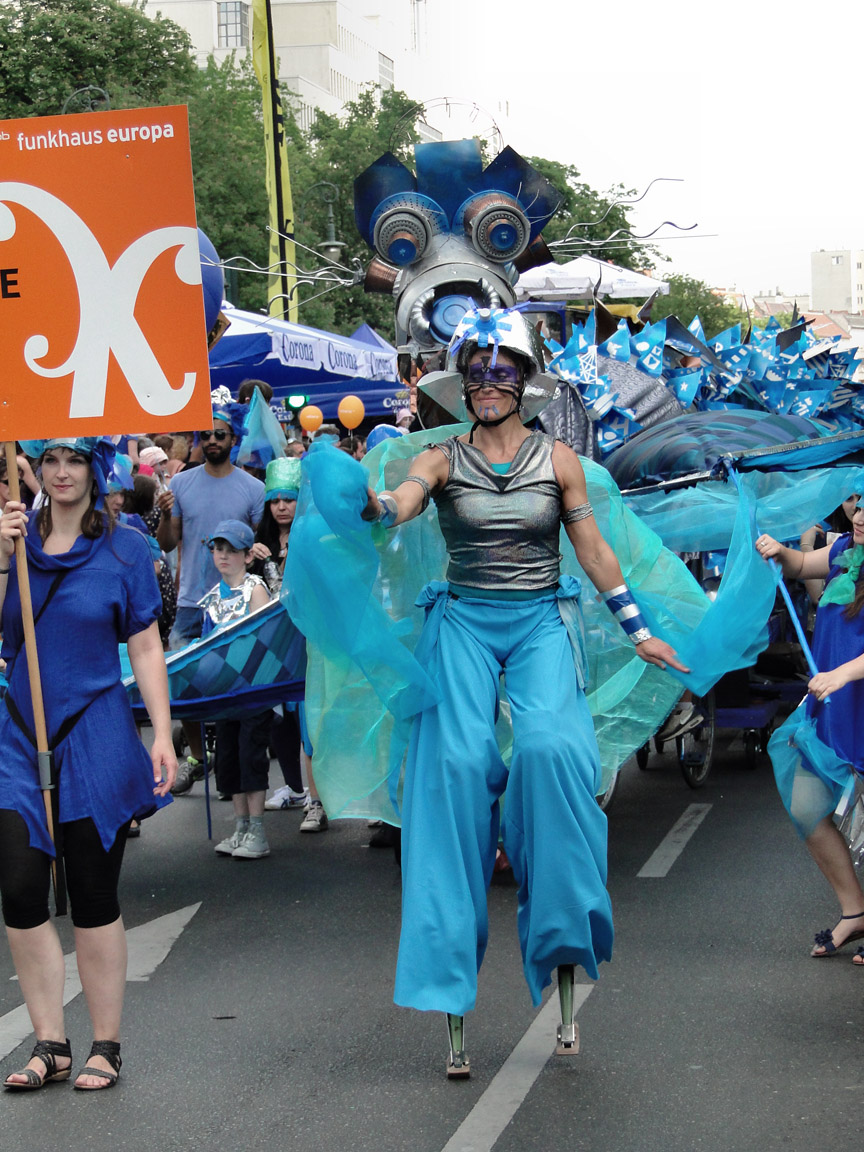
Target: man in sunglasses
point(197, 501)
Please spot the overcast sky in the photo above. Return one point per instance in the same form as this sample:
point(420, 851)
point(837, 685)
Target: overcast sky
point(755, 105)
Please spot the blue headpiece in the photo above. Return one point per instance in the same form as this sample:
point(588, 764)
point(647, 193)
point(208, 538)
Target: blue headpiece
point(99, 450)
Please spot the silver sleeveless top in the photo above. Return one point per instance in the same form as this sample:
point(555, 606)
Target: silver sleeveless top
point(501, 531)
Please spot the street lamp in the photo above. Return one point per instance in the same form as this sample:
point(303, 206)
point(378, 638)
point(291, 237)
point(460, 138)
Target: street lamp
point(332, 248)
point(87, 99)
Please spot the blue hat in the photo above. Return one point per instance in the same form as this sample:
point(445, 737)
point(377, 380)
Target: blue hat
point(238, 534)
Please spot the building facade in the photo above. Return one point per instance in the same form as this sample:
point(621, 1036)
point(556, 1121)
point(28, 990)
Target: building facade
point(837, 280)
point(327, 49)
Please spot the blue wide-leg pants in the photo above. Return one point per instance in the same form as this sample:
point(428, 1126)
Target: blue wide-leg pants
point(553, 830)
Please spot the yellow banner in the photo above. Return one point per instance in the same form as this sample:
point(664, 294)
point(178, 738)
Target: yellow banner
point(281, 293)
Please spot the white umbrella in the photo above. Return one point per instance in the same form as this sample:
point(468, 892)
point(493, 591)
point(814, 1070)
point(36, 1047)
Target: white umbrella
point(578, 278)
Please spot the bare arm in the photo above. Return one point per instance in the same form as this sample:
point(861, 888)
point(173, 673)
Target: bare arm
point(826, 683)
point(594, 554)
point(796, 565)
point(260, 596)
point(148, 665)
point(432, 465)
point(169, 533)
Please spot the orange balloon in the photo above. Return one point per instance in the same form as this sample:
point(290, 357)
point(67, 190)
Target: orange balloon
point(310, 418)
point(351, 411)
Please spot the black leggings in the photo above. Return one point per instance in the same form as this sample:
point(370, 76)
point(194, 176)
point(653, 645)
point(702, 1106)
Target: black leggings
point(92, 874)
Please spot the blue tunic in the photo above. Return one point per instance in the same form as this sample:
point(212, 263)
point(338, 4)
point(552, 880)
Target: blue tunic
point(107, 593)
point(836, 641)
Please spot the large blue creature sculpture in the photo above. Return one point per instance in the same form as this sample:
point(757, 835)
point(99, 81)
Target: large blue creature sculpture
point(452, 237)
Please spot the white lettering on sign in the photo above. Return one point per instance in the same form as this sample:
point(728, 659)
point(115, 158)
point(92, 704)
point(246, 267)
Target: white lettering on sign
point(342, 360)
point(106, 297)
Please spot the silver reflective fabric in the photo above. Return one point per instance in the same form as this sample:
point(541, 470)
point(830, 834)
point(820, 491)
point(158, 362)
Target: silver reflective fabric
point(501, 531)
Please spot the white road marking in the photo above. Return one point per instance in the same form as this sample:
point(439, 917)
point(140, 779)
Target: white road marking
point(148, 945)
point(672, 845)
point(481, 1128)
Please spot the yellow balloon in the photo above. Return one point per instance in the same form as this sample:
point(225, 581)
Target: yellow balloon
point(351, 411)
point(310, 418)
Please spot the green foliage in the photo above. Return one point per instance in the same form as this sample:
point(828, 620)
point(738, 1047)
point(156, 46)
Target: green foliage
point(688, 298)
point(227, 138)
point(336, 150)
point(784, 319)
point(51, 48)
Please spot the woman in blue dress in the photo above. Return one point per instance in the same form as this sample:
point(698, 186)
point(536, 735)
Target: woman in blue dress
point(93, 588)
point(838, 649)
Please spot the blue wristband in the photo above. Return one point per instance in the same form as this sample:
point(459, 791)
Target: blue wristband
point(389, 510)
point(624, 608)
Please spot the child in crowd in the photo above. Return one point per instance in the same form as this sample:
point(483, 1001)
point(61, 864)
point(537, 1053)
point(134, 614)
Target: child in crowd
point(242, 757)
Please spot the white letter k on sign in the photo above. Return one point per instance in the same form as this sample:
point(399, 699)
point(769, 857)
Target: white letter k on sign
point(107, 298)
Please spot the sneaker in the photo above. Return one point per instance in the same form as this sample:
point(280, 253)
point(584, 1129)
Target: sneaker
point(315, 819)
point(252, 846)
point(286, 797)
point(188, 771)
point(230, 844)
point(684, 717)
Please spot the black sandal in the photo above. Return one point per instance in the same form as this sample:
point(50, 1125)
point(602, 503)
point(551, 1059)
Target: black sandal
point(826, 939)
point(47, 1051)
point(109, 1050)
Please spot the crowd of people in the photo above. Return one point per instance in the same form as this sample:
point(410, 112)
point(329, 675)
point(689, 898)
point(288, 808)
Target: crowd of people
point(155, 541)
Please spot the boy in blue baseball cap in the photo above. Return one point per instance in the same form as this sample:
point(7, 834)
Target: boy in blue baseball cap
point(242, 757)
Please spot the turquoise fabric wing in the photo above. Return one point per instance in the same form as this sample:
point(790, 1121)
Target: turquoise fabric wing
point(351, 589)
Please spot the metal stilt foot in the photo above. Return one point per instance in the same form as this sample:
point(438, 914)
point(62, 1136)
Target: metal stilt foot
point(458, 1065)
point(568, 1029)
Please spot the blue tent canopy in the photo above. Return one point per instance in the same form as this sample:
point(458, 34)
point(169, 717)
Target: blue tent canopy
point(294, 359)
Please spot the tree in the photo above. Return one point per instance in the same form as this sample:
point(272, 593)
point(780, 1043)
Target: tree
point(688, 298)
point(51, 48)
point(335, 151)
point(227, 138)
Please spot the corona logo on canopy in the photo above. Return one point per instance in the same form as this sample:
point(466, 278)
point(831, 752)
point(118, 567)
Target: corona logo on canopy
point(452, 237)
point(102, 324)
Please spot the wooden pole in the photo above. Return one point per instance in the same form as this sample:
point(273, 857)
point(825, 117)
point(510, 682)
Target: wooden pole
point(40, 729)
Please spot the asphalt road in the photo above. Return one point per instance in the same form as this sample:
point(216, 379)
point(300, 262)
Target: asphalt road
point(270, 1023)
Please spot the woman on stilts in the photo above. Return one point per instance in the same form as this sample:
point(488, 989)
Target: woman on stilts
point(502, 493)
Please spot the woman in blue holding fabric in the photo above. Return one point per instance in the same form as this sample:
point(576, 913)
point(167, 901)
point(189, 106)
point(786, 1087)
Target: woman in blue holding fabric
point(93, 588)
point(836, 703)
point(502, 493)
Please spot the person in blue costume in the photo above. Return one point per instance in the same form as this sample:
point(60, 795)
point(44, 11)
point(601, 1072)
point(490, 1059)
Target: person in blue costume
point(502, 493)
point(93, 588)
point(836, 703)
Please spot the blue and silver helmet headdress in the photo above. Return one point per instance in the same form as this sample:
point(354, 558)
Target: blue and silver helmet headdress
point(494, 328)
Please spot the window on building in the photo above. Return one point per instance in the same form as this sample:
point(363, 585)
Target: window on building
point(386, 72)
point(836, 259)
point(233, 24)
point(859, 265)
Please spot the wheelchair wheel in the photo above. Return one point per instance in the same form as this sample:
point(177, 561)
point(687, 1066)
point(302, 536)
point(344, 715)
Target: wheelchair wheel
point(696, 748)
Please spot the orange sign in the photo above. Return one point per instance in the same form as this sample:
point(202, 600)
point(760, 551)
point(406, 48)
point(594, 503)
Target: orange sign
point(101, 308)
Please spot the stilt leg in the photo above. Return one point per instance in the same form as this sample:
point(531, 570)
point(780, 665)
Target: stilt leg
point(568, 1029)
point(458, 1065)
